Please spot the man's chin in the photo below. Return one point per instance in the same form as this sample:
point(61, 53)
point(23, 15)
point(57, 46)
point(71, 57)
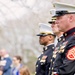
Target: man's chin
point(41, 44)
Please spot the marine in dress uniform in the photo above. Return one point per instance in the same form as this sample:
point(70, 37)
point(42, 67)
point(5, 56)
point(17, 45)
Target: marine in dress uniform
point(66, 50)
point(43, 62)
point(59, 40)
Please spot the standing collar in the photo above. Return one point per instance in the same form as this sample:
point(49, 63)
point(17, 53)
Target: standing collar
point(69, 32)
point(50, 46)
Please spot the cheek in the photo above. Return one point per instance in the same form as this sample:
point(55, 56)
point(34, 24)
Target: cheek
point(55, 30)
point(61, 23)
point(41, 40)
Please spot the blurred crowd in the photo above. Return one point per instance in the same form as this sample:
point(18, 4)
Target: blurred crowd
point(12, 66)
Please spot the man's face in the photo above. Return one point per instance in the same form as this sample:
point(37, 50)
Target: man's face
point(15, 61)
point(44, 40)
point(55, 28)
point(2, 52)
point(62, 22)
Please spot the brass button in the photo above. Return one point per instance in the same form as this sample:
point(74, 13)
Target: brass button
point(63, 39)
point(54, 56)
point(65, 34)
point(39, 59)
point(35, 72)
point(52, 68)
point(36, 65)
point(51, 60)
point(49, 68)
point(52, 47)
point(41, 63)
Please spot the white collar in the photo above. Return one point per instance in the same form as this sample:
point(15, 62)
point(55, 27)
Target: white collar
point(60, 36)
point(48, 45)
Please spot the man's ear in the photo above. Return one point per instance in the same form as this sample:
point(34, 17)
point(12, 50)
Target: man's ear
point(50, 37)
point(71, 17)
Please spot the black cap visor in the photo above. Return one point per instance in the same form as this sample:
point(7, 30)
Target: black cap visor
point(46, 35)
point(51, 22)
point(61, 13)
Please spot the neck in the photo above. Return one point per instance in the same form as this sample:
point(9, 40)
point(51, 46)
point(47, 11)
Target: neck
point(17, 65)
point(59, 34)
point(50, 42)
point(69, 28)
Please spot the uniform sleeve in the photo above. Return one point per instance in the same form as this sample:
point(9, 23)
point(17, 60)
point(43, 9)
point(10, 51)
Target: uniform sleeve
point(7, 65)
point(68, 66)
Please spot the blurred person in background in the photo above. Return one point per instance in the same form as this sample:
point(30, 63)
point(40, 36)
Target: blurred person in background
point(24, 71)
point(1, 72)
point(5, 63)
point(16, 65)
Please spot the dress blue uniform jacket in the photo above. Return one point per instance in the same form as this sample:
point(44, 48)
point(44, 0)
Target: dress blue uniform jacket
point(43, 62)
point(6, 65)
point(55, 52)
point(66, 55)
